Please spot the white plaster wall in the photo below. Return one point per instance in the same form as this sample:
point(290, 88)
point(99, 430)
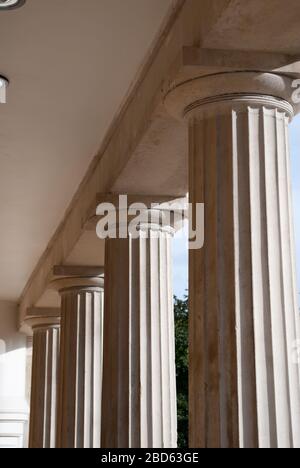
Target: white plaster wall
point(13, 404)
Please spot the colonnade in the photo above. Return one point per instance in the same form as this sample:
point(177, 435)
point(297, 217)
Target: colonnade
point(244, 383)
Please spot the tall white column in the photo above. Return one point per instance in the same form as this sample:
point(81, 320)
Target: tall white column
point(45, 359)
point(80, 378)
point(244, 384)
point(139, 380)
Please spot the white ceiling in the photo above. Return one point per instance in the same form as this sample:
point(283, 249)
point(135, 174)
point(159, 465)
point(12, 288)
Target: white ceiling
point(70, 63)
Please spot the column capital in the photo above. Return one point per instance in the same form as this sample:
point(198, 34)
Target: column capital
point(77, 283)
point(239, 89)
point(40, 318)
point(131, 213)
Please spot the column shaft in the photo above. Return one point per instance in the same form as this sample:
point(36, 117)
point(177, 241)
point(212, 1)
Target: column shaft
point(139, 381)
point(80, 380)
point(244, 386)
point(43, 409)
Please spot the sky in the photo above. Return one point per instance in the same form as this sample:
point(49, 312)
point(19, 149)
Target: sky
point(295, 169)
point(180, 251)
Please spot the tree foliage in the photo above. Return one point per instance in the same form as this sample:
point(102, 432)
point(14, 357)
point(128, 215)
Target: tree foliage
point(181, 340)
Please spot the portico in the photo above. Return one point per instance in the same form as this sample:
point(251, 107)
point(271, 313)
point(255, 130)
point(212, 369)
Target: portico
point(202, 107)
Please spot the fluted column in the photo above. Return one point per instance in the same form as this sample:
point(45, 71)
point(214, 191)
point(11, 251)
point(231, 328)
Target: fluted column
point(79, 398)
point(244, 383)
point(45, 358)
point(139, 380)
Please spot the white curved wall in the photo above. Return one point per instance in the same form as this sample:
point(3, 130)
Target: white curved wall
point(13, 404)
